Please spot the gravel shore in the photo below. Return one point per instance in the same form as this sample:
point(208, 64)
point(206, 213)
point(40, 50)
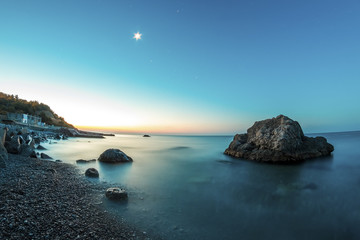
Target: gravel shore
point(49, 200)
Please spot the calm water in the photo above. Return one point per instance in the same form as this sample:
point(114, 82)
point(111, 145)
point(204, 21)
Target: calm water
point(185, 188)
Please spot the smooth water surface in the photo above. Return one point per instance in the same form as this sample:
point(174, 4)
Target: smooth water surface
point(186, 188)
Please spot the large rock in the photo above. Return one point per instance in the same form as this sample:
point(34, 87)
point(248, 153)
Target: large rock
point(26, 150)
point(278, 139)
point(114, 156)
point(13, 146)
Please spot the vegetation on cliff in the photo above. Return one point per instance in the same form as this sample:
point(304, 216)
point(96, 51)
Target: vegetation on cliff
point(13, 104)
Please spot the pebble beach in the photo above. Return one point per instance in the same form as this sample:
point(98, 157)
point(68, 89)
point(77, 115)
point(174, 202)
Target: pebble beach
point(42, 199)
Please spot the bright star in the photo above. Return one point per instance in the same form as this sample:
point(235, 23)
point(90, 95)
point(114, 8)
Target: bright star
point(137, 36)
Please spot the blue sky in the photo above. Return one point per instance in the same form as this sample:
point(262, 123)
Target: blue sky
point(200, 67)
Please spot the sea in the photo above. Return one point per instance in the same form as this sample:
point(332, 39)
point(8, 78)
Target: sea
point(184, 187)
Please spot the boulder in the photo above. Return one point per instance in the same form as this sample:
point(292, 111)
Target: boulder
point(26, 150)
point(36, 139)
point(279, 139)
point(92, 172)
point(114, 156)
point(146, 135)
point(57, 137)
point(45, 156)
point(116, 194)
point(13, 146)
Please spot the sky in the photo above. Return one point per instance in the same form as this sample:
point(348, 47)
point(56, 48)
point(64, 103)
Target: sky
point(200, 67)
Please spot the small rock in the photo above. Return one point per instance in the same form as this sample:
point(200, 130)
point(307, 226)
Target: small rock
point(33, 154)
point(85, 161)
point(40, 147)
point(92, 172)
point(45, 156)
point(116, 194)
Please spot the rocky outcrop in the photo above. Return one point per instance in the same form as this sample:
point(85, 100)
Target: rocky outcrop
point(92, 172)
point(146, 135)
point(278, 139)
point(114, 156)
point(116, 194)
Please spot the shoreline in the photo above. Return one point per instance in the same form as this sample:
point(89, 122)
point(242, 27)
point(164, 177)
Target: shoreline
point(43, 199)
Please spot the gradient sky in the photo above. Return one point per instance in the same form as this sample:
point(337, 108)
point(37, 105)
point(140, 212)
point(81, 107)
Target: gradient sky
point(200, 67)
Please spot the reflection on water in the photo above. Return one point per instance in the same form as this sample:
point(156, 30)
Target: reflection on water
point(185, 188)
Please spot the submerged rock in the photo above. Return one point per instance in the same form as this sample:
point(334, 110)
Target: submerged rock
point(278, 139)
point(85, 161)
point(92, 172)
point(116, 194)
point(114, 156)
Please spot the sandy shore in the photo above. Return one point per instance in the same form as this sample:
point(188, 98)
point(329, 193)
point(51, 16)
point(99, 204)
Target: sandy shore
point(41, 199)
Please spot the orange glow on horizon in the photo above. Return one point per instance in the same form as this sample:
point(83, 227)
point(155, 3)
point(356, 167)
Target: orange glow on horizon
point(151, 129)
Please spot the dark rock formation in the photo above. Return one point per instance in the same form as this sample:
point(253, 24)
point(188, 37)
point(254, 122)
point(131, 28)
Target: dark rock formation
point(114, 156)
point(116, 194)
point(85, 161)
point(26, 150)
point(45, 156)
point(92, 172)
point(13, 146)
point(146, 135)
point(278, 139)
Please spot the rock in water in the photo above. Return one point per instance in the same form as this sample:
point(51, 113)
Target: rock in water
point(114, 156)
point(85, 161)
point(45, 156)
point(92, 172)
point(278, 139)
point(116, 194)
point(40, 147)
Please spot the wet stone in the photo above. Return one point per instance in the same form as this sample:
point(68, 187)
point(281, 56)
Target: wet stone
point(116, 194)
